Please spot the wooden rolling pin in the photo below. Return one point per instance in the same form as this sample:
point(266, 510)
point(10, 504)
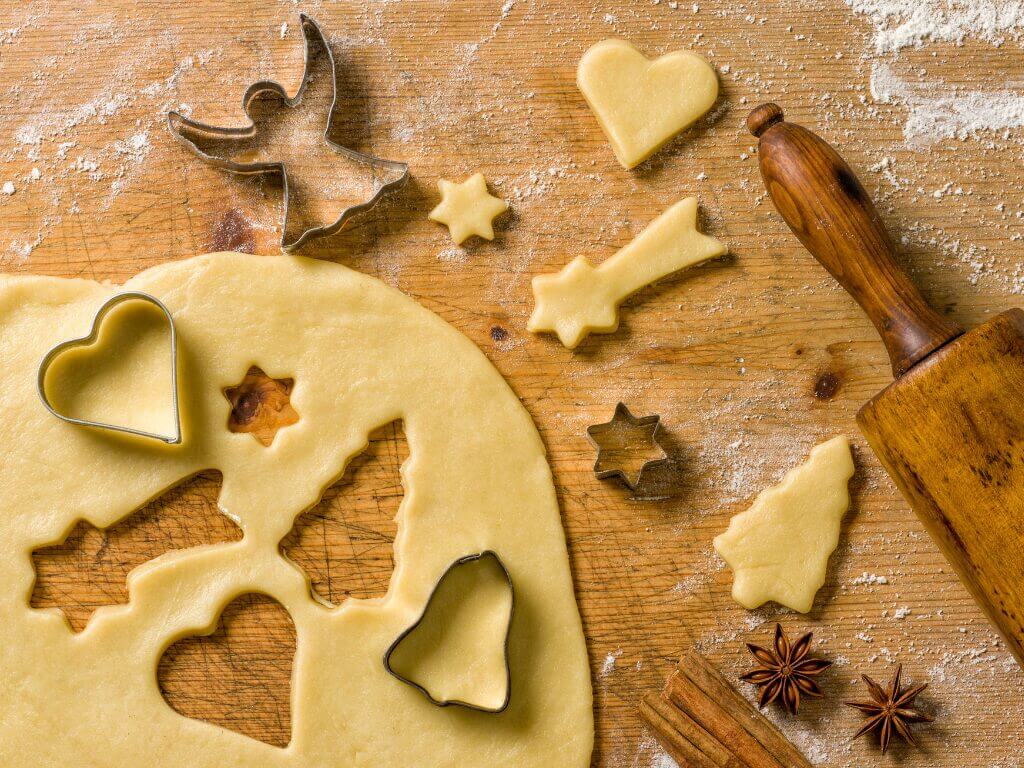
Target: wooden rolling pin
point(950, 428)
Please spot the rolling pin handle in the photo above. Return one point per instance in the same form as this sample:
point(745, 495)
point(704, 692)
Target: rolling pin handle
point(764, 117)
point(824, 204)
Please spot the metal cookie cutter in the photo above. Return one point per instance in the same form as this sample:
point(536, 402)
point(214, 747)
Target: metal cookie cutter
point(193, 133)
point(626, 434)
point(89, 339)
point(412, 628)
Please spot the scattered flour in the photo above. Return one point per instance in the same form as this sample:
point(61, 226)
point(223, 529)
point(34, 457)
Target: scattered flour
point(609, 662)
point(912, 23)
point(871, 579)
point(7, 188)
point(940, 111)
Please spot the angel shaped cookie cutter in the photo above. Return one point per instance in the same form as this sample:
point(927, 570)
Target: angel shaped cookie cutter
point(199, 136)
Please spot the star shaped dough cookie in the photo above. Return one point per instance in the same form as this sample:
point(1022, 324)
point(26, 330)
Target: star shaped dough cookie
point(467, 209)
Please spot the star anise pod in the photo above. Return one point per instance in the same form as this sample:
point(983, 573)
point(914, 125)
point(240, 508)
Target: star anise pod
point(891, 710)
point(786, 671)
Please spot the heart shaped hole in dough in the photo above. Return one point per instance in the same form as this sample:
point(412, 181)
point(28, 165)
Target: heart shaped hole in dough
point(238, 677)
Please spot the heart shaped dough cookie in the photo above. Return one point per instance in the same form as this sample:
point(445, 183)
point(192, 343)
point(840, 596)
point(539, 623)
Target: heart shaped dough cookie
point(641, 104)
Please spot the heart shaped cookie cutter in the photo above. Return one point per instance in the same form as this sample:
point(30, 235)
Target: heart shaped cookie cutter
point(487, 553)
point(90, 339)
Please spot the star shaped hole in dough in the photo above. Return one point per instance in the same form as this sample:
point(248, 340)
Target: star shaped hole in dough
point(261, 405)
point(467, 209)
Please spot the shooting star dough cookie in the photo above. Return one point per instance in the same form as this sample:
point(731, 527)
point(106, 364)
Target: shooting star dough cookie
point(779, 548)
point(467, 209)
point(361, 355)
point(641, 104)
point(584, 299)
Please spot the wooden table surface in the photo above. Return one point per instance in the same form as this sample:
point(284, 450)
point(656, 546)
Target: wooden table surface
point(750, 360)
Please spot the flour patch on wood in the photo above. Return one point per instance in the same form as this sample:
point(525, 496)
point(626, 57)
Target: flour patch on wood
point(940, 111)
point(902, 24)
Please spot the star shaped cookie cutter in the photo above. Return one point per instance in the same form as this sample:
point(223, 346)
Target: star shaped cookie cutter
point(612, 437)
point(192, 133)
point(89, 339)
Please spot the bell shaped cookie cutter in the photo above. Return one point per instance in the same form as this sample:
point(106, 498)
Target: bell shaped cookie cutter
point(88, 340)
point(182, 128)
point(505, 651)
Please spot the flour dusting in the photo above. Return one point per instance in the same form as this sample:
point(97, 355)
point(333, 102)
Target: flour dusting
point(937, 111)
point(912, 23)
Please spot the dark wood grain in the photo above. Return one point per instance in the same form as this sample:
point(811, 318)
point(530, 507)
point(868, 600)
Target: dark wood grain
point(825, 205)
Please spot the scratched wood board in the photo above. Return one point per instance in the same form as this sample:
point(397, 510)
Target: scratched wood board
point(751, 359)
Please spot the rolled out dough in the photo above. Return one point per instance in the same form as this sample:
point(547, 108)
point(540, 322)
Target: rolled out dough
point(361, 355)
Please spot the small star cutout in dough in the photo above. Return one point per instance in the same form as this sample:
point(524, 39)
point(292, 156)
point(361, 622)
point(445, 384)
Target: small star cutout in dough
point(261, 405)
point(627, 446)
point(467, 209)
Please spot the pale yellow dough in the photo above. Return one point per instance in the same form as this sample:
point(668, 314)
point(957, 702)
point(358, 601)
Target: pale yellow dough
point(362, 355)
point(584, 299)
point(467, 209)
point(641, 104)
point(779, 548)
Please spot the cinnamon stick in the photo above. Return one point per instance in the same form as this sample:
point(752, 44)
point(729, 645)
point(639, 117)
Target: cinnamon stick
point(688, 744)
point(703, 722)
point(704, 676)
point(718, 720)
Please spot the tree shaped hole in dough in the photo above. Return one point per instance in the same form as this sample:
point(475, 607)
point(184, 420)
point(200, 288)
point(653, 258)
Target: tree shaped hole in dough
point(362, 355)
point(779, 548)
point(344, 543)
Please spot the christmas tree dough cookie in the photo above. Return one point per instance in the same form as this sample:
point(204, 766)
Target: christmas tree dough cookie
point(779, 548)
point(361, 355)
point(641, 104)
